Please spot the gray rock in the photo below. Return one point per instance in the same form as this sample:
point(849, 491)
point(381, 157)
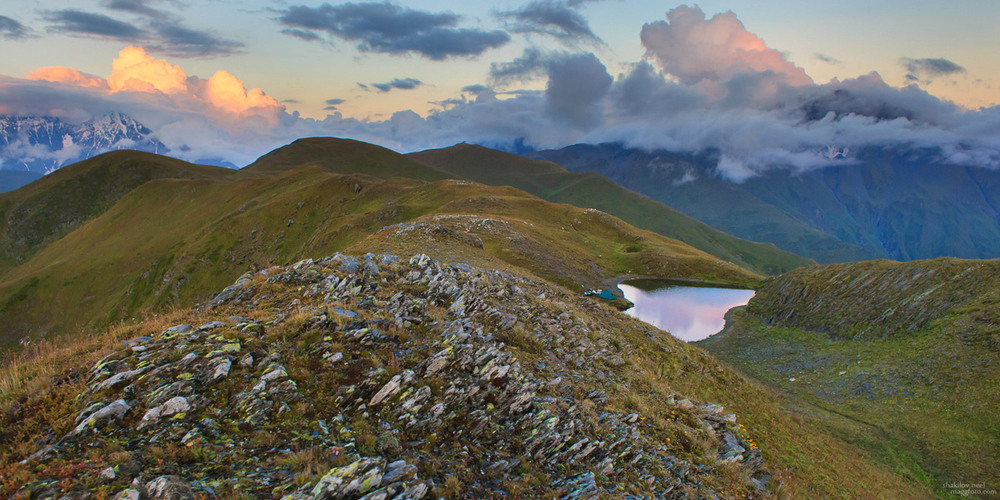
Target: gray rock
point(173, 406)
point(340, 311)
point(176, 330)
point(118, 379)
point(712, 409)
point(168, 488)
point(113, 411)
point(398, 471)
point(222, 369)
point(349, 264)
point(211, 325)
point(108, 474)
point(128, 494)
point(391, 387)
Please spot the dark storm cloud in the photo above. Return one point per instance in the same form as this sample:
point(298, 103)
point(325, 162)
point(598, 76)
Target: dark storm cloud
point(398, 83)
point(77, 22)
point(180, 41)
point(13, 30)
point(553, 18)
point(931, 67)
point(392, 29)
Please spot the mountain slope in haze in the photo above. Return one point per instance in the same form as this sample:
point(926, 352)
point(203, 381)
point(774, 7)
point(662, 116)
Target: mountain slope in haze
point(44, 211)
point(172, 239)
point(902, 205)
point(43, 143)
point(897, 358)
point(554, 183)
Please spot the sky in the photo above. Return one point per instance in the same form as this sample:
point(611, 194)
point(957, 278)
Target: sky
point(768, 83)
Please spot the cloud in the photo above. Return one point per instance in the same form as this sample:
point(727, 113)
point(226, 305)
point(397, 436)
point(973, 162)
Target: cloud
point(76, 22)
point(180, 41)
point(163, 32)
point(576, 86)
point(309, 36)
point(331, 104)
point(10, 29)
point(552, 18)
point(135, 70)
point(530, 65)
point(133, 6)
point(67, 75)
point(828, 59)
point(698, 50)
point(392, 29)
point(930, 68)
point(397, 83)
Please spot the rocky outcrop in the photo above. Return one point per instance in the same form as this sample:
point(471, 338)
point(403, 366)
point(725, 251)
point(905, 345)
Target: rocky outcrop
point(381, 378)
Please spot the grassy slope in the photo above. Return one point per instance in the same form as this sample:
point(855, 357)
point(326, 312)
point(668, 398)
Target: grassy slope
point(46, 210)
point(896, 358)
point(554, 183)
point(342, 156)
point(187, 238)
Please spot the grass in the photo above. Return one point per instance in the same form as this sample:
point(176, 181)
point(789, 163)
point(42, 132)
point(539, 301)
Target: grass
point(554, 183)
point(187, 239)
point(918, 395)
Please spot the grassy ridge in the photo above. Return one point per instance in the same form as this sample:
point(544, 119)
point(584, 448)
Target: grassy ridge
point(554, 183)
point(172, 241)
point(905, 367)
point(44, 211)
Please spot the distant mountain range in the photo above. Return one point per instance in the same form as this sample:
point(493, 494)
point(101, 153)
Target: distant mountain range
point(44, 143)
point(885, 203)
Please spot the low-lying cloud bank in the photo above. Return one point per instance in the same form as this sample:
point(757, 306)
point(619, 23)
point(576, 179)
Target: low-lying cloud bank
point(705, 83)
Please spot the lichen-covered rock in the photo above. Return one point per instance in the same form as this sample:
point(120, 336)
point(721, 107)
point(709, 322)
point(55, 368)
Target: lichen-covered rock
point(386, 378)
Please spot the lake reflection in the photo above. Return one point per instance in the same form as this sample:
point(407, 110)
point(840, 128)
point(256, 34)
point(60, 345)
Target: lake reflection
point(687, 312)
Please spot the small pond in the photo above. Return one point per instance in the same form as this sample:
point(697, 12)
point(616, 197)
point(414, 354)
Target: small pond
point(689, 312)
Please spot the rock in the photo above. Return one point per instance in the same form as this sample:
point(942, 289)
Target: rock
point(712, 409)
point(398, 471)
point(173, 406)
point(579, 487)
point(118, 379)
point(231, 291)
point(340, 311)
point(211, 326)
point(391, 387)
point(349, 264)
point(168, 488)
point(128, 494)
point(731, 418)
point(175, 331)
point(439, 361)
point(357, 478)
point(108, 474)
point(113, 411)
point(222, 369)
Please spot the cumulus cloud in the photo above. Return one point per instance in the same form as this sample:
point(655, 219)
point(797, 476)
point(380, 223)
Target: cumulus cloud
point(552, 18)
point(694, 49)
point(10, 29)
point(391, 29)
point(136, 70)
point(397, 83)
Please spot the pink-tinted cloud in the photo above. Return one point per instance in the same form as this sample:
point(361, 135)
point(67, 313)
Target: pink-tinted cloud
point(698, 50)
point(135, 70)
point(62, 74)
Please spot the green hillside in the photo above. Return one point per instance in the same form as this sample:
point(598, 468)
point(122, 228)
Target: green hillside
point(898, 358)
point(554, 183)
point(342, 156)
point(171, 241)
point(44, 211)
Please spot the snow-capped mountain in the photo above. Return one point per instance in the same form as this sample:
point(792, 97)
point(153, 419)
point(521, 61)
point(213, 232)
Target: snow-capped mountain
point(44, 143)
